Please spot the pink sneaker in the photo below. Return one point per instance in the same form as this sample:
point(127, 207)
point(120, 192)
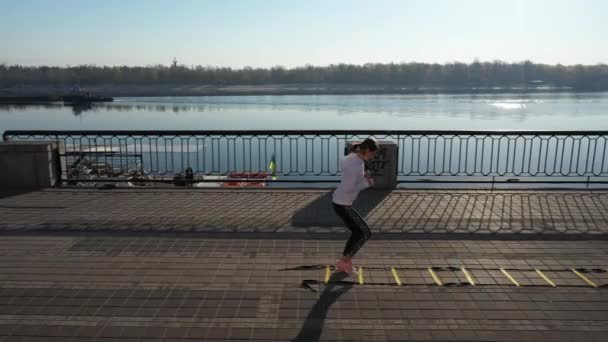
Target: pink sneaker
point(346, 267)
point(341, 266)
point(352, 270)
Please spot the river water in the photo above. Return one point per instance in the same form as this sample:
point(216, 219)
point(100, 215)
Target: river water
point(562, 111)
point(419, 155)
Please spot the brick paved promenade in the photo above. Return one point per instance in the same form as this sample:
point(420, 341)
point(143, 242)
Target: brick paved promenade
point(213, 265)
point(308, 211)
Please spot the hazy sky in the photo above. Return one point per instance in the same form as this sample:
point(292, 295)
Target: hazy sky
point(265, 33)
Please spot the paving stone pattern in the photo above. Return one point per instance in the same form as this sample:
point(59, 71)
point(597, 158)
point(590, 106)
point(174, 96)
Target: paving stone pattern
point(309, 211)
point(174, 277)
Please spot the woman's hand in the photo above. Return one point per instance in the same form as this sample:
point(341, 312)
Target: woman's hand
point(369, 178)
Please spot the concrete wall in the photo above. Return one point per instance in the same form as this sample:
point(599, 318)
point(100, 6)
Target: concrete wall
point(29, 165)
point(383, 167)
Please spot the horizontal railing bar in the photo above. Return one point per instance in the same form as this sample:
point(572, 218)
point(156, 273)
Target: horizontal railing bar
point(304, 132)
point(505, 181)
point(107, 179)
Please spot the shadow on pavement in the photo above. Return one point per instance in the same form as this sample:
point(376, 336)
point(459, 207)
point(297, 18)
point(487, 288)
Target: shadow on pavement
point(320, 213)
point(313, 325)
point(12, 193)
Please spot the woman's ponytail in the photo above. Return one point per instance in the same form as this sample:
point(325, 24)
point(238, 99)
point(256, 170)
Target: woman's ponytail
point(369, 144)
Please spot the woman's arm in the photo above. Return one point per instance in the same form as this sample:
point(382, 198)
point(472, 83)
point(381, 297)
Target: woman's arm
point(355, 178)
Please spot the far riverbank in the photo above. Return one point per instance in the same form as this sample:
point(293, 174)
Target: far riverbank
point(112, 90)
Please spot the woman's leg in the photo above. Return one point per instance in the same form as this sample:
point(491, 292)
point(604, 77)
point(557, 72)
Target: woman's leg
point(363, 233)
point(359, 229)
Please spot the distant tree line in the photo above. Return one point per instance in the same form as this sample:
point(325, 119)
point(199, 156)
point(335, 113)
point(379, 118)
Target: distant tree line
point(450, 75)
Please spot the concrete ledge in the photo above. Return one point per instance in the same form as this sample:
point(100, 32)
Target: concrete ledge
point(26, 146)
point(29, 164)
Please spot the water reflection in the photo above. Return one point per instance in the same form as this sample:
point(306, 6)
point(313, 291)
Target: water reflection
point(472, 106)
point(77, 109)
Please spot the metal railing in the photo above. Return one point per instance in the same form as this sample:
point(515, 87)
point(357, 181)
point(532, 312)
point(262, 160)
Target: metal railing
point(313, 155)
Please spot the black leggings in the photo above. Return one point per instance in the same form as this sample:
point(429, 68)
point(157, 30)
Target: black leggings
point(359, 229)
